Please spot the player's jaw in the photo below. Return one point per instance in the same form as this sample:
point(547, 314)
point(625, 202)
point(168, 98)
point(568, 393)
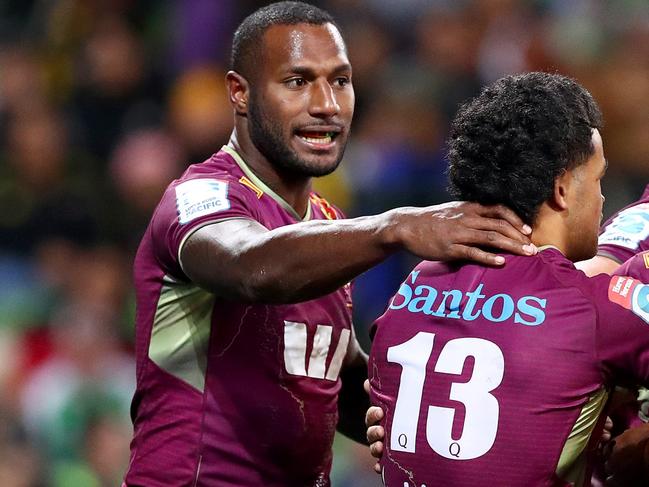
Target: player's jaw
point(305, 150)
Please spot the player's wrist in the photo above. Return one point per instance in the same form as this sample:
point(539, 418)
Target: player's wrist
point(392, 230)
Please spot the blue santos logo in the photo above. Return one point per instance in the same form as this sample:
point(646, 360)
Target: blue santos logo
point(526, 310)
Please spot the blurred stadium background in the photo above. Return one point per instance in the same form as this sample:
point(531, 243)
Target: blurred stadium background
point(103, 102)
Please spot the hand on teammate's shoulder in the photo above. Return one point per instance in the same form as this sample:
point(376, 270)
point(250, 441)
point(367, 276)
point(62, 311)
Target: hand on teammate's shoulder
point(461, 231)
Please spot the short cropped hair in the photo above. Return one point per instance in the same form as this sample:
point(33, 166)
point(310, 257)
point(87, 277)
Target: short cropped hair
point(248, 36)
point(509, 144)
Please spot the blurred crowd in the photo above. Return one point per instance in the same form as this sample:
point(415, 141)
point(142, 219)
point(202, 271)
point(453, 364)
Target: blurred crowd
point(104, 102)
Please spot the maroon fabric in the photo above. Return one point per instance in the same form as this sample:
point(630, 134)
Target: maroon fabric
point(562, 337)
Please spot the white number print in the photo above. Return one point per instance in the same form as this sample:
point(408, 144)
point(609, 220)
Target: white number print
point(482, 409)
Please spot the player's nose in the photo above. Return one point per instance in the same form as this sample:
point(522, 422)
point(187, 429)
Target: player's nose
point(323, 101)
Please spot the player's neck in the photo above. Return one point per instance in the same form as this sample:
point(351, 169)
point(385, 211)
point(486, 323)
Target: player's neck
point(550, 229)
point(293, 189)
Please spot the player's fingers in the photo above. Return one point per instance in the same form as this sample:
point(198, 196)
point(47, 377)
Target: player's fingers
point(466, 252)
point(377, 468)
point(502, 212)
point(608, 427)
point(493, 239)
point(497, 225)
point(366, 386)
point(376, 449)
point(606, 436)
point(373, 415)
point(375, 434)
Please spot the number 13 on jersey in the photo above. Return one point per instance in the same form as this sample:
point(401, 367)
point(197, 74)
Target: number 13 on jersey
point(482, 409)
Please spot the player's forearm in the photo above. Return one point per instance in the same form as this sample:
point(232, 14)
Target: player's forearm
point(292, 263)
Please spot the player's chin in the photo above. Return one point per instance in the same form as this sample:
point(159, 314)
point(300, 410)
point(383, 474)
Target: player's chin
point(319, 167)
point(319, 163)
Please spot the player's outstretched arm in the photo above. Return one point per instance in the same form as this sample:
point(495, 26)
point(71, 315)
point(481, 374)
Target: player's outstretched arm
point(241, 259)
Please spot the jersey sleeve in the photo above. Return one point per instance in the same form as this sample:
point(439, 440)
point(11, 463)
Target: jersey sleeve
point(189, 205)
point(627, 232)
point(622, 336)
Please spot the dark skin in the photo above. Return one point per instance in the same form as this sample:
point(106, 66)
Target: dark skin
point(302, 84)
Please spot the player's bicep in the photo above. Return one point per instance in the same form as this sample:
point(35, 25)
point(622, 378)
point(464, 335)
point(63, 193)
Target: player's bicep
point(211, 255)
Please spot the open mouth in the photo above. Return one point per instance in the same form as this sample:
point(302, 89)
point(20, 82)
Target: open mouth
point(319, 138)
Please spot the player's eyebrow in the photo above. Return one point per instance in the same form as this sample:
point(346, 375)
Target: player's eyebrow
point(310, 73)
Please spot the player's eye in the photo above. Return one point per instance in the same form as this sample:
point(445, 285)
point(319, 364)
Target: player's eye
point(341, 81)
point(294, 83)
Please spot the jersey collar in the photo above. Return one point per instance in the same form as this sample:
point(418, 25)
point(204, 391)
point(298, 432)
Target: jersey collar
point(546, 247)
point(258, 182)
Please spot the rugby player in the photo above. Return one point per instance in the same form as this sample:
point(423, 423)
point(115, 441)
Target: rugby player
point(245, 346)
point(622, 236)
point(501, 376)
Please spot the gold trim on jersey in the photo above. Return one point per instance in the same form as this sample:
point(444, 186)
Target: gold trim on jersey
point(264, 187)
point(325, 207)
point(181, 331)
point(249, 184)
point(572, 462)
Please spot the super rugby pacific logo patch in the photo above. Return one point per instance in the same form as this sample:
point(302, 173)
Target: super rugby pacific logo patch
point(200, 197)
point(631, 294)
point(629, 228)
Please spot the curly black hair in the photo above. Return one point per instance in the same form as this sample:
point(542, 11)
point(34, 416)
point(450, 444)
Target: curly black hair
point(509, 144)
point(246, 41)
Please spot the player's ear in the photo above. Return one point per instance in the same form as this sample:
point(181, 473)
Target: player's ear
point(561, 190)
point(238, 92)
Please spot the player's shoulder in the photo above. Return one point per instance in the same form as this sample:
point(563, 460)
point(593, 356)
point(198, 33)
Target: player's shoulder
point(552, 266)
point(219, 166)
point(208, 186)
point(636, 267)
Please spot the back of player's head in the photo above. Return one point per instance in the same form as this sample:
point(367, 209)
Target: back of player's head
point(248, 37)
point(509, 144)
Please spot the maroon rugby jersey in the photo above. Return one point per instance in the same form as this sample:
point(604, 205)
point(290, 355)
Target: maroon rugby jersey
point(500, 376)
point(627, 232)
point(230, 393)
